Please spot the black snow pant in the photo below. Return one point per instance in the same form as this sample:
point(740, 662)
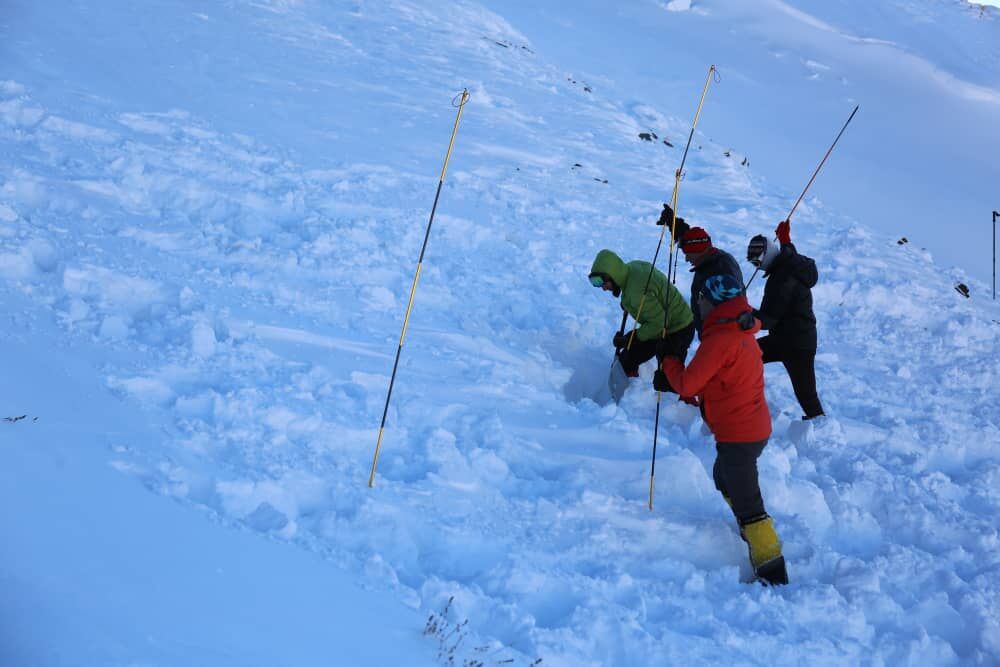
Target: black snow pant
point(735, 474)
point(801, 367)
point(643, 351)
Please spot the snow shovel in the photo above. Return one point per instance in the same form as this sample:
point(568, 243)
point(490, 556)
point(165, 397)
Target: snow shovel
point(617, 380)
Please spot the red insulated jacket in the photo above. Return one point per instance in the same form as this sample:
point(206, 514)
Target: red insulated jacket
point(727, 375)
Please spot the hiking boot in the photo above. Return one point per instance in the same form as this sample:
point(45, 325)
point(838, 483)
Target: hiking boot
point(765, 549)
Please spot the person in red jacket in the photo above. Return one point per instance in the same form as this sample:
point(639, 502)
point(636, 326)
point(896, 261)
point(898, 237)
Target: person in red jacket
point(727, 376)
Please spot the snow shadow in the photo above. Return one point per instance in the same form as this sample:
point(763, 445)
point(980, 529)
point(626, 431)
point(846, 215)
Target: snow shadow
point(589, 380)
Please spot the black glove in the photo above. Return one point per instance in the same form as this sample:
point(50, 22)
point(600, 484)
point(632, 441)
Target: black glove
point(621, 339)
point(746, 320)
point(669, 347)
point(667, 218)
point(660, 382)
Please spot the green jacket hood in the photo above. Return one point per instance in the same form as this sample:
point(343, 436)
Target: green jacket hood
point(612, 265)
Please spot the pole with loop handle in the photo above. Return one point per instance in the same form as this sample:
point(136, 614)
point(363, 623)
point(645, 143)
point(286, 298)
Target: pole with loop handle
point(463, 99)
point(673, 199)
point(673, 232)
point(809, 184)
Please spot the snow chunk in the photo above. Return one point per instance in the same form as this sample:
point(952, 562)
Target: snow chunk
point(25, 188)
point(20, 114)
point(267, 519)
point(17, 266)
point(44, 255)
point(380, 298)
point(11, 88)
point(114, 327)
point(147, 389)
point(199, 406)
point(79, 131)
point(77, 310)
point(111, 290)
point(272, 505)
point(203, 340)
point(142, 123)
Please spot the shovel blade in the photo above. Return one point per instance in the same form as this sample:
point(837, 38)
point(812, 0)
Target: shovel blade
point(617, 381)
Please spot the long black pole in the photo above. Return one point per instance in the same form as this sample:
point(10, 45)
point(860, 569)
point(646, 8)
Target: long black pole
point(815, 174)
point(673, 201)
point(996, 214)
point(671, 259)
point(678, 174)
point(399, 348)
point(413, 289)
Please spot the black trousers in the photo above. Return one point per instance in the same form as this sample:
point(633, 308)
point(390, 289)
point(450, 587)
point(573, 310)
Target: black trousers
point(643, 351)
point(801, 367)
point(735, 475)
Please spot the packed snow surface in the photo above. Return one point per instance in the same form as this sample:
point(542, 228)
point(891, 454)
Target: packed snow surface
point(210, 219)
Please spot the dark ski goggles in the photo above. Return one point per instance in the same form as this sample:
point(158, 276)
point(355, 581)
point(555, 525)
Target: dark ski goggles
point(756, 250)
point(598, 279)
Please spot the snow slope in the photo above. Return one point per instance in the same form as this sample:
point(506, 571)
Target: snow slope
point(98, 571)
point(926, 73)
point(218, 209)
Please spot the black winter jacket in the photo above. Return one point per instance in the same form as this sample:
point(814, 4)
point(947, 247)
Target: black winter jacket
point(718, 263)
point(787, 308)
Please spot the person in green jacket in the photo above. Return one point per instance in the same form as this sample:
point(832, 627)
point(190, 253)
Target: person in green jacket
point(628, 281)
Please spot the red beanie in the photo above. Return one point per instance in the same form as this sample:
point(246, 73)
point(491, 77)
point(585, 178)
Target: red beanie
point(695, 240)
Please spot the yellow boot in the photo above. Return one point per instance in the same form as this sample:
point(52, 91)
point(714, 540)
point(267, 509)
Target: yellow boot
point(765, 550)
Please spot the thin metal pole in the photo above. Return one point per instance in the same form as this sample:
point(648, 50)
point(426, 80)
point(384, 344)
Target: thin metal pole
point(815, 174)
point(673, 199)
point(996, 214)
point(670, 268)
point(822, 162)
point(652, 464)
point(413, 288)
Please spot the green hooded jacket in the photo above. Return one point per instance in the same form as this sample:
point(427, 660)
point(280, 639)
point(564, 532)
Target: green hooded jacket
point(631, 278)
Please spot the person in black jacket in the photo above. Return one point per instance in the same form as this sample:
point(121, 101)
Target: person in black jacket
point(786, 311)
point(705, 259)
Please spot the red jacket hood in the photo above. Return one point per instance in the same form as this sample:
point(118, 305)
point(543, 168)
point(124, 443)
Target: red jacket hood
point(725, 314)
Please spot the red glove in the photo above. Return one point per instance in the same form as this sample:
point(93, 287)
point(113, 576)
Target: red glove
point(784, 231)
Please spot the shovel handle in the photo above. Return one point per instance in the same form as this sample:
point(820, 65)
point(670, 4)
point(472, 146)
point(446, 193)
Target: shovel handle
point(621, 330)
